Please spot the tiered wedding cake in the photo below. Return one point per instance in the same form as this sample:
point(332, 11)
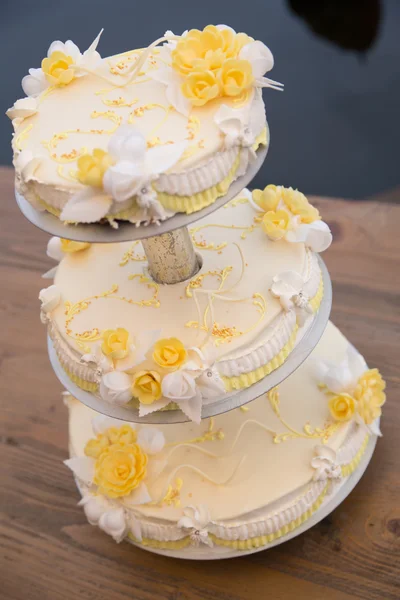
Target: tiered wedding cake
point(165, 331)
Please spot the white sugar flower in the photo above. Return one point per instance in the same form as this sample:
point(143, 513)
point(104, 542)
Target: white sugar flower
point(316, 235)
point(197, 521)
point(50, 298)
point(234, 124)
point(26, 164)
point(115, 388)
point(64, 62)
point(133, 170)
point(342, 377)
point(325, 464)
point(110, 517)
point(288, 287)
point(23, 108)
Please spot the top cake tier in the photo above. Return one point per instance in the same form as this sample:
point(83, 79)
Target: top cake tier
point(142, 135)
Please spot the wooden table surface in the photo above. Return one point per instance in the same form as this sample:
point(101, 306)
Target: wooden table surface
point(48, 551)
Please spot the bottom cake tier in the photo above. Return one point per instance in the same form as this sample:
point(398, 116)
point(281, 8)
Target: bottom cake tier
point(238, 481)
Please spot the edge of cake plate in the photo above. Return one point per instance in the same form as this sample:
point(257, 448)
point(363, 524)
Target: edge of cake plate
point(126, 232)
point(302, 350)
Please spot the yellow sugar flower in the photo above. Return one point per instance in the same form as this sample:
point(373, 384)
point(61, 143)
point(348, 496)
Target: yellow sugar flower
point(121, 435)
point(200, 86)
point(113, 435)
point(235, 77)
point(116, 343)
point(119, 469)
point(91, 167)
point(342, 407)
point(268, 198)
point(97, 445)
point(57, 68)
point(169, 354)
point(276, 224)
point(370, 395)
point(212, 44)
point(146, 386)
point(69, 246)
point(298, 204)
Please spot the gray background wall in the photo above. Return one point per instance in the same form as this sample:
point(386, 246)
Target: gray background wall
point(334, 130)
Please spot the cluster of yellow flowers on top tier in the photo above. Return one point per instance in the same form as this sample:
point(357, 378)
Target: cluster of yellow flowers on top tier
point(367, 399)
point(91, 167)
point(279, 204)
point(120, 462)
point(209, 64)
point(57, 68)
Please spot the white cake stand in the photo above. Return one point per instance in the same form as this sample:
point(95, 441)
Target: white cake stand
point(329, 504)
point(306, 344)
point(127, 232)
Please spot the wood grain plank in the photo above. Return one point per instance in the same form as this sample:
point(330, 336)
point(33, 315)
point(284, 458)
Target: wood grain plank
point(47, 549)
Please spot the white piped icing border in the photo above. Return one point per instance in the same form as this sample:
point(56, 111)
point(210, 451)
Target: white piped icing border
point(263, 521)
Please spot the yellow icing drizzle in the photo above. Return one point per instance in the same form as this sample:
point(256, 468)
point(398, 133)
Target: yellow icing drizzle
point(172, 496)
point(308, 432)
point(22, 137)
point(130, 255)
point(71, 310)
point(119, 102)
point(203, 245)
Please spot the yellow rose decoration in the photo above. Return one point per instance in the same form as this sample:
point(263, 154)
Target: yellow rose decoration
point(69, 246)
point(200, 86)
point(276, 224)
point(342, 407)
point(146, 386)
point(123, 435)
point(57, 68)
point(169, 354)
point(298, 204)
point(370, 395)
point(119, 469)
point(212, 44)
point(91, 167)
point(208, 63)
point(116, 343)
point(268, 198)
point(235, 77)
point(97, 445)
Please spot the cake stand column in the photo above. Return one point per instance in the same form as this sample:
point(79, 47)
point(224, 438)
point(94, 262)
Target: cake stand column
point(171, 256)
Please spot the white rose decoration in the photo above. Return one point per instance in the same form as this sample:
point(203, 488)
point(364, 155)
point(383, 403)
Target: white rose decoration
point(94, 507)
point(179, 385)
point(113, 522)
point(115, 387)
point(50, 298)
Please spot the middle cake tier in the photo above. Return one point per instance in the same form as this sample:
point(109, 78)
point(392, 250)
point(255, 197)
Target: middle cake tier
point(120, 335)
